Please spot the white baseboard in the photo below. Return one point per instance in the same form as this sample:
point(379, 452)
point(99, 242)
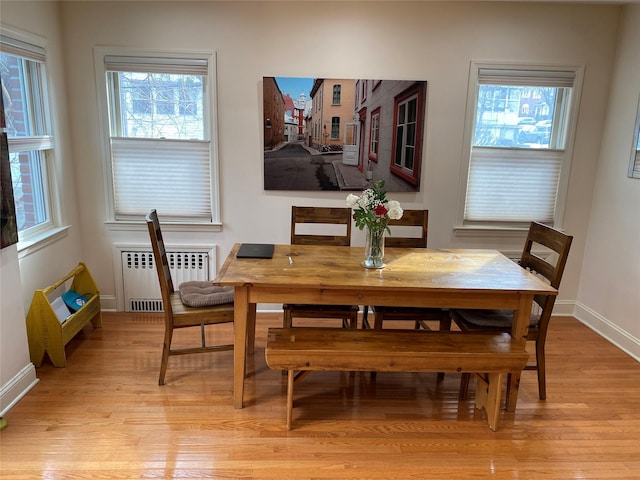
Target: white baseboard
point(603, 327)
point(17, 387)
point(563, 308)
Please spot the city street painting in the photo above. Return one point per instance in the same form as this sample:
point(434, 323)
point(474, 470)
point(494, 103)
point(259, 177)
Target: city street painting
point(340, 134)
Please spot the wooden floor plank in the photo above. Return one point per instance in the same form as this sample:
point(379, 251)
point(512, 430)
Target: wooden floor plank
point(104, 416)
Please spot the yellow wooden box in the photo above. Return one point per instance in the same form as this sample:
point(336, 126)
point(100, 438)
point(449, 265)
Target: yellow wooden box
point(44, 330)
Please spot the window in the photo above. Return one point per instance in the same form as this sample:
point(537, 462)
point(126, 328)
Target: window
point(30, 141)
point(335, 128)
point(336, 94)
point(408, 119)
point(160, 150)
point(519, 157)
point(375, 135)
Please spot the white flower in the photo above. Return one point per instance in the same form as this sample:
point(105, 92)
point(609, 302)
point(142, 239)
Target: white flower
point(372, 209)
point(395, 210)
point(352, 200)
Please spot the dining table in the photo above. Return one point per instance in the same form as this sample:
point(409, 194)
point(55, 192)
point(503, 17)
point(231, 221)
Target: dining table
point(418, 277)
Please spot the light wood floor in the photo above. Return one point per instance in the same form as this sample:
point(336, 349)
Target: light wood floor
point(104, 416)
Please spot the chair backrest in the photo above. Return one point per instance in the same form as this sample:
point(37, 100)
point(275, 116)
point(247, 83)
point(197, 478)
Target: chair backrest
point(161, 260)
point(320, 215)
point(557, 242)
point(410, 218)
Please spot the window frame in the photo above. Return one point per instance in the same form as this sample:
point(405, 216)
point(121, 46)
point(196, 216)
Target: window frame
point(466, 228)
point(42, 144)
point(210, 133)
point(634, 163)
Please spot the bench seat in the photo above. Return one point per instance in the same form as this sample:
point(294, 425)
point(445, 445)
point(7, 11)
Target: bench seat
point(305, 349)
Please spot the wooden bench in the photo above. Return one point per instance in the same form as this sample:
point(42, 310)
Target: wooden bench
point(306, 349)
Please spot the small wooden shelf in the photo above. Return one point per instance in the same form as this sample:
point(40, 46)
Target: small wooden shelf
point(44, 330)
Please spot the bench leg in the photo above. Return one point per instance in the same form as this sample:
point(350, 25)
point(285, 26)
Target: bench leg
point(489, 396)
point(513, 385)
point(290, 382)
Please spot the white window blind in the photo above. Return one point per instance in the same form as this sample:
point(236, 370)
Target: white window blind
point(18, 48)
point(508, 185)
point(171, 176)
point(179, 66)
point(525, 77)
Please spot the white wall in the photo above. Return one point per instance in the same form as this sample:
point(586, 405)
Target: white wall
point(42, 267)
point(422, 40)
point(433, 41)
point(609, 293)
point(17, 373)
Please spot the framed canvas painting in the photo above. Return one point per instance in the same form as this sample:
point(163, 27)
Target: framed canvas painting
point(9, 227)
point(340, 134)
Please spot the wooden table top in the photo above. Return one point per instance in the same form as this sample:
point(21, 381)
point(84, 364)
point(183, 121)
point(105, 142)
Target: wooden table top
point(420, 269)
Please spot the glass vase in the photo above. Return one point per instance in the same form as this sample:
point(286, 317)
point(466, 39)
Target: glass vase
point(374, 248)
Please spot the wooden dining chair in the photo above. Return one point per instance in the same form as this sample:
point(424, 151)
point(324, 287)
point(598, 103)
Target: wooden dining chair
point(194, 304)
point(410, 231)
point(304, 231)
point(550, 266)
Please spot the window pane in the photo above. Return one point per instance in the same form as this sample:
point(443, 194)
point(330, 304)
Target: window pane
point(520, 116)
point(28, 188)
point(21, 91)
point(147, 106)
point(336, 95)
point(375, 120)
point(335, 127)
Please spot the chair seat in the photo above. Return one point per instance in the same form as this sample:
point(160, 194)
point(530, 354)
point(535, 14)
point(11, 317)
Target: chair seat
point(492, 318)
point(200, 294)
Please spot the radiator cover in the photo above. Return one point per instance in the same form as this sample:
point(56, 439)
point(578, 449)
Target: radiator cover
point(140, 279)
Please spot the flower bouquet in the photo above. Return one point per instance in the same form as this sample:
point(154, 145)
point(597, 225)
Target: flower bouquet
point(373, 210)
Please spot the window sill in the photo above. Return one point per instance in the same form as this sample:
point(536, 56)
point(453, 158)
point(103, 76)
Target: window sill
point(42, 240)
point(128, 226)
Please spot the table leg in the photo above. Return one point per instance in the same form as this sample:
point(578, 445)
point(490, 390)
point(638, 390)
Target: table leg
point(251, 329)
point(290, 382)
point(240, 340)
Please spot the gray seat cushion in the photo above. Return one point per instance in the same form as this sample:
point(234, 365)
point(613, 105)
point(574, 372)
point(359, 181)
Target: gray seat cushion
point(204, 294)
point(493, 318)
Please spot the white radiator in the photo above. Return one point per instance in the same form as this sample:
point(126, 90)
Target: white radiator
point(140, 279)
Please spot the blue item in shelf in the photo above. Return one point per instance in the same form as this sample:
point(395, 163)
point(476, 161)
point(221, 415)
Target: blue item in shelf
point(74, 300)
